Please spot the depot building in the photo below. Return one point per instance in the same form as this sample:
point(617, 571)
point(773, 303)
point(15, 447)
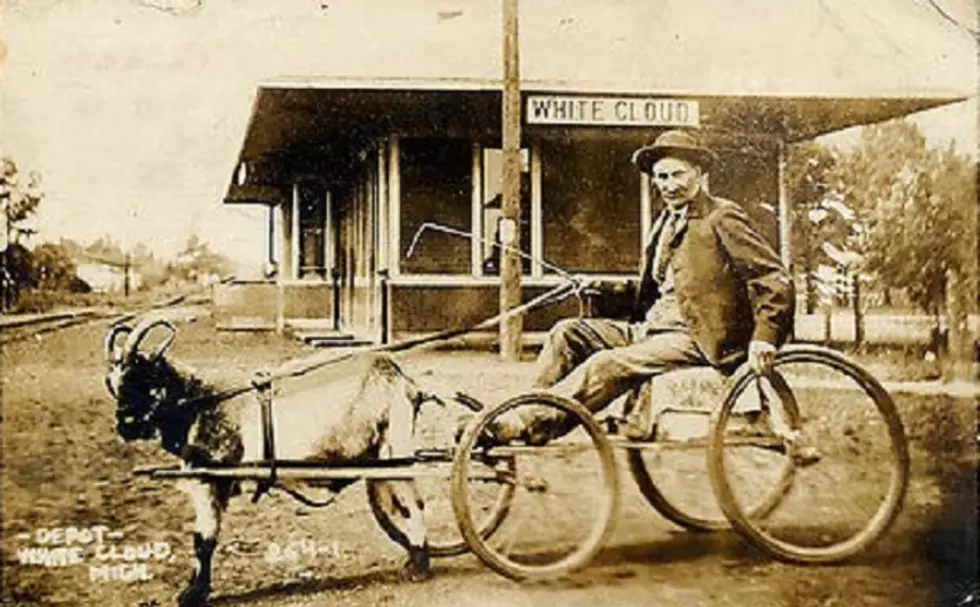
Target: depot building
point(351, 168)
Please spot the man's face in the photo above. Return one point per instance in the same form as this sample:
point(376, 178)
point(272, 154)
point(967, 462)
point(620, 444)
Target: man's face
point(677, 180)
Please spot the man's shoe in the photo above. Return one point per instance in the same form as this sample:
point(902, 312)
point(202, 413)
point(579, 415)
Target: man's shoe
point(759, 424)
point(804, 452)
point(498, 432)
point(640, 425)
point(756, 423)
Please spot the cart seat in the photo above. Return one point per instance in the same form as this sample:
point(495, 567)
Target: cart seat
point(678, 404)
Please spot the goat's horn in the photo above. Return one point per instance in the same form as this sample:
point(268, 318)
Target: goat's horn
point(169, 339)
point(140, 331)
point(111, 337)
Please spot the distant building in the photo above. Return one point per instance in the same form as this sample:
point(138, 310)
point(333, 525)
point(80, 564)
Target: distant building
point(104, 277)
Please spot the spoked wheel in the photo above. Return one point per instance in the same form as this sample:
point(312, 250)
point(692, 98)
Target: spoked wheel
point(673, 474)
point(491, 497)
point(850, 452)
point(565, 483)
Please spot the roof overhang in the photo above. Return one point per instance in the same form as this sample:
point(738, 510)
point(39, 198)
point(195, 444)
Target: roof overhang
point(319, 124)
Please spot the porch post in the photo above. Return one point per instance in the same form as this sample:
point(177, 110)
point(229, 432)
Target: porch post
point(786, 223)
point(294, 250)
point(646, 214)
point(382, 245)
point(394, 207)
point(286, 236)
point(270, 251)
point(537, 228)
point(285, 269)
point(383, 219)
point(329, 244)
point(476, 210)
point(785, 216)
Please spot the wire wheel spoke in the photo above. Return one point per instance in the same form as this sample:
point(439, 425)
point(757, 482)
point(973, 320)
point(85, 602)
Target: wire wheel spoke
point(551, 527)
point(848, 451)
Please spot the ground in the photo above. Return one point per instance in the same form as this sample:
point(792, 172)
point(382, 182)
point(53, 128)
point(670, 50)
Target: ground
point(64, 467)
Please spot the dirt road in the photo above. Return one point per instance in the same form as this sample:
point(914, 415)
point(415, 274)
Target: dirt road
point(67, 485)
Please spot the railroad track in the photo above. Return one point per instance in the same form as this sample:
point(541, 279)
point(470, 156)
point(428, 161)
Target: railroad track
point(25, 327)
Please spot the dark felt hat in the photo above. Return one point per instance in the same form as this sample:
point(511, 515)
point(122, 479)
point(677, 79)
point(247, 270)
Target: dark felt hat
point(680, 144)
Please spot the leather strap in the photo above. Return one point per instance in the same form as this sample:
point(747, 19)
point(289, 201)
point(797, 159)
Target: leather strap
point(262, 383)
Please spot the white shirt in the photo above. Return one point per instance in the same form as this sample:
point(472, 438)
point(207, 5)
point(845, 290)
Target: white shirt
point(665, 313)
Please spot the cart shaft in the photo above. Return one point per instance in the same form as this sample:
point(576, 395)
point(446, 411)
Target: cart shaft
point(267, 473)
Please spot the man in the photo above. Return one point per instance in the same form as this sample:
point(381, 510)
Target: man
point(713, 292)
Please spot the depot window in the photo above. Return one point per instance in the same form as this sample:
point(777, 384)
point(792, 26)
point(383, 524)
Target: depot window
point(590, 206)
point(436, 185)
point(312, 197)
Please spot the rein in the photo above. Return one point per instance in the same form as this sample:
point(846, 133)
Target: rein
point(263, 380)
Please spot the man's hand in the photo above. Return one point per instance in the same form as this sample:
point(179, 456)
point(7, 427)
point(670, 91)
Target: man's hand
point(586, 285)
point(761, 356)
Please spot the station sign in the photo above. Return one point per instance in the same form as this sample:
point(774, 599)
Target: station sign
point(611, 111)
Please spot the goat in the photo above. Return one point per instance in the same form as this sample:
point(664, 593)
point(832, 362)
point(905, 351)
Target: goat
point(365, 410)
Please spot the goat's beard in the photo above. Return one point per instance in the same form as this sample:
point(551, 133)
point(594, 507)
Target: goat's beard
point(135, 423)
point(138, 430)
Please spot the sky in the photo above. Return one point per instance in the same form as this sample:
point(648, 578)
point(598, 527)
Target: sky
point(134, 114)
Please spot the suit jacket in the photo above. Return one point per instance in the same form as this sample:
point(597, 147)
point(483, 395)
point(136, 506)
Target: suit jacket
point(731, 286)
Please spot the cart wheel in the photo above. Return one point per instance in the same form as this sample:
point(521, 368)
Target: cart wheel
point(435, 429)
point(566, 489)
point(673, 477)
point(850, 452)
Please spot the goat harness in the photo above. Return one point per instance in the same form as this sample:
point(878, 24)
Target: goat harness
point(262, 384)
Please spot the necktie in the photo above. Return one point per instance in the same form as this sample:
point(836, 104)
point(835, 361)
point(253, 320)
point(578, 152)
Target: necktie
point(662, 255)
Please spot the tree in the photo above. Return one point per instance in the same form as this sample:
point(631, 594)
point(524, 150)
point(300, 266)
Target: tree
point(198, 262)
point(53, 269)
point(18, 265)
point(907, 196)
point(105, 250)
point(19, 202)
point(810, 179)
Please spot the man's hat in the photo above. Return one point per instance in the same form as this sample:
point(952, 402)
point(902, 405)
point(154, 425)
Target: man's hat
point(679, 144)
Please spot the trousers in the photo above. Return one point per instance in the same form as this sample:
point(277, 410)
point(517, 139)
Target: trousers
point(594, 361)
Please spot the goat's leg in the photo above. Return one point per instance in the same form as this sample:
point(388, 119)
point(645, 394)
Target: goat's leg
point(405, 509)
point(210, 501)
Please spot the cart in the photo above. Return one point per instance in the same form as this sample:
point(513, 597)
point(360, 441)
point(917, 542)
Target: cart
point(543, 506)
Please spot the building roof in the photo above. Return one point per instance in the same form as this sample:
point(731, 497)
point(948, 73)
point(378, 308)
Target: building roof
point(792, 68)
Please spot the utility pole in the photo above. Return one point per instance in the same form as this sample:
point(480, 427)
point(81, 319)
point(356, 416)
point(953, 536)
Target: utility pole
point(961, 296)
point(126, 265)
point(5, 254)
point(510, 266)
point(858, 313)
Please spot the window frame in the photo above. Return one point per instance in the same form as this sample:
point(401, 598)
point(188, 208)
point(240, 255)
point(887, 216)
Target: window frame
point(479, 199)
point(311, 272)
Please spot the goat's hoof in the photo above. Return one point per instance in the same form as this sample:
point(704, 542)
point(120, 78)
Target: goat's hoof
point(193, 596)
point(412, 573)
point(463, 422)
point(418, 576)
